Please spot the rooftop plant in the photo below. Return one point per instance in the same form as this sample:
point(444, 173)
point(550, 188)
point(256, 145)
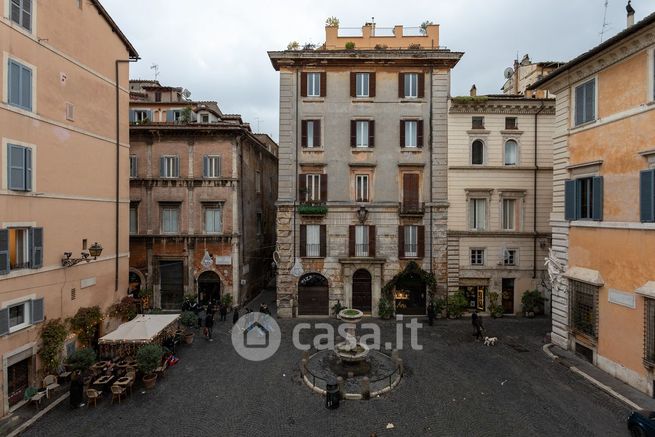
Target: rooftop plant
point(293, 45)
point(424, 27)
point(332, 22)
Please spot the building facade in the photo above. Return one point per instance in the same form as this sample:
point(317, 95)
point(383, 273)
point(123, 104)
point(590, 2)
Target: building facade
point(500, 195)
point(524, 74)
point(202, 199)
point(603, 214)
point(63, 174)
point(363, 184)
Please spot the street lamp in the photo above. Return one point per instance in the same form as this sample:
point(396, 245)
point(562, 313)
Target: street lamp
point(94, 252)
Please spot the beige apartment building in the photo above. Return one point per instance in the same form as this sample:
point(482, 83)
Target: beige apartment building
point(500, 194)
point(202, 199)
point(63, 174)
point(363, 162)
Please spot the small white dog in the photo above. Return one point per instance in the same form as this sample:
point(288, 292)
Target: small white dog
point(490, 341)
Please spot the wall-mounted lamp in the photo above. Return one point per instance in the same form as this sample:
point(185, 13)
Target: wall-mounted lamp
point(94, 252)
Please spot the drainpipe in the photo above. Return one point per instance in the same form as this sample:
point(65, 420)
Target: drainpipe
point(118, 163)
point(534, 197)
point(295, 200)
point(431, 161)
point(242, 231)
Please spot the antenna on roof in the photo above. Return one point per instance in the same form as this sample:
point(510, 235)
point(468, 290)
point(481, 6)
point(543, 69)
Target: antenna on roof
point(156, 68)
point(605, 23)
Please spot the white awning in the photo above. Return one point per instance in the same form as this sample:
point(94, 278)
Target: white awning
point(587, 276)
point(648, 289)
point(142, 329)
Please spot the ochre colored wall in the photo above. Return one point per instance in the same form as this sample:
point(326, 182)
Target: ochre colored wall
point(620, 93)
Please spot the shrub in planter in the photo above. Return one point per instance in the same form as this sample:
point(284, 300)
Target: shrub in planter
point(53, 335)
point(350, 45)
point(189, 319)
point(495, 309)
point(226, 300)
point(82, 359)
point(336, 308)
point(439, 305)
point(532, 302)
point(457, 304)
point(148, 358)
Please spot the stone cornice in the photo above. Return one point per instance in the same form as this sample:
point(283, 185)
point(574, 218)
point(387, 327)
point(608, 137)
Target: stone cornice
point(525, 106)
point(184, 183)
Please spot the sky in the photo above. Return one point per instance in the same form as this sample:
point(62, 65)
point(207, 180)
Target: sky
point(217, 49)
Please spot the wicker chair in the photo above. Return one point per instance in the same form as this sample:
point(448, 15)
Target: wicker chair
point(132, 375)
point(49, 383)
point(92, 396)
point(116, 392)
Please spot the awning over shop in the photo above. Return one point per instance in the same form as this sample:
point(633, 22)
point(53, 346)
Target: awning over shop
point(144, 328)
point(648, 289)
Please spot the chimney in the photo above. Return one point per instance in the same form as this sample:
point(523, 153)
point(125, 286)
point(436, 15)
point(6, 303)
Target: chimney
point(474, 91)
point(631, 14)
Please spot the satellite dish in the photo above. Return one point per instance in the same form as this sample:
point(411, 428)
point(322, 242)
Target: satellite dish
point(186, 93)
point(508, 72)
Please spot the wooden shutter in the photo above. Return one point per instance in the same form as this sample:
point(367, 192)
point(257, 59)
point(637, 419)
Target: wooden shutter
point(170, 115)
point(569, 200)
point(597, 198)
point(647, 195)
point(177, 167)
point(351, 240)
point(4, 321)
point(303, 133)
point(410, 191)
point(401, 85)
point(371, 241)
point(162, 166)
point(16, 173)
point(303, 240)
point(303, 84)
point(26, 87)
point(37, 310)
point(402, 133)
point(590, 106)
point(324, 187)
point(323, 236)
point(421, 85)
point(371, 133)
point(401, 242)
point(353, 133)
point(579, 105)
point(302, 186)
point(205, 166)
point(317, 133)
point(371, 84)
point(353, 84)
point(419, 133)
point(4, 251)
point(36, 243)
point(323, 84)
point(420, 241)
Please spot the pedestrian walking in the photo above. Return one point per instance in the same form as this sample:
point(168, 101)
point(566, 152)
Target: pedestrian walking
point(235, 315)
point(223, 312)
point(76, 390)
point(209, 326)
point(478, 329)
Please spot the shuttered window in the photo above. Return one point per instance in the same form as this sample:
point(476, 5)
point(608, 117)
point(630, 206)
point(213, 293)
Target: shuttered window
point(133, 166)
point(313, 184)
point(410, 192)
point(583, 199)
point(509, 214)
point(19, 85)
point(477, 152)
point(211, 166)
point(412, 85)
point(19, 168)
point(647, 195)
point(478, 214)
point(362, 85)
point(21, 13)
point(20, 248)
point(362, 134)
point(411, 241)
point(213, 220)
point(169, 167)
point(21, 315)
point(310, 134)
point(585, 102)
point(313, 84)
point(170, 218)
point(361, 188)
point(313, 240)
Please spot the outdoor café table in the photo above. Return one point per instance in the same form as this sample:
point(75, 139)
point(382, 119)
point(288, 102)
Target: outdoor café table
point(124, 382)
point(103, 381)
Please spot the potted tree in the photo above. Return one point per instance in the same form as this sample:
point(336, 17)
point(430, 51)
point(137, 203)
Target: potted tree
point(82, 360)
point(148, 358)
point(457, 303)
point(495, 309)
point(532, 302)
point(385, 308)
point(188, 319)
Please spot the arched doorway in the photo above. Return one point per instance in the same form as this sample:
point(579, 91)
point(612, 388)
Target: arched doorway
point(313, 295)
point(362, 290)
point(410, 295)
point(209, 287)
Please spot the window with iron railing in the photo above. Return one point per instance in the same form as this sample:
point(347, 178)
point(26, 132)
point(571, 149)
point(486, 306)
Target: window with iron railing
point(584, 308)
point(361, 240)
point(411, 241)
point(313, 248)
point(649, 334)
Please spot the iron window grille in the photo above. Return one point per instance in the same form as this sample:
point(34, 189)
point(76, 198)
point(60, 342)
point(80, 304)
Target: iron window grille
point(649, 334)
point(584, 308)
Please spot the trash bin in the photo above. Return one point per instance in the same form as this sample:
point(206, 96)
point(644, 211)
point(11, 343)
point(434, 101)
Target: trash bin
point(332, 395)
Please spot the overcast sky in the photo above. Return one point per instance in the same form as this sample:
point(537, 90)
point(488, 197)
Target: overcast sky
point(217, 49)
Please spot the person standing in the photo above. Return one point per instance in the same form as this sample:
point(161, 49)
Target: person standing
point(76, 390)
point(223, 311)
point(235, 315)
point(431, 314)
point(209, 326)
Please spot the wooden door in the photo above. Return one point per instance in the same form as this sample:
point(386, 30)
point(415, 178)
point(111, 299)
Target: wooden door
point(508, 295)
point(410, 192)
point(313, 296)
point(362, 291)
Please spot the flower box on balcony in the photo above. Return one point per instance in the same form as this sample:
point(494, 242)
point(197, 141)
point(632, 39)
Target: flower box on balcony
point(309, 209)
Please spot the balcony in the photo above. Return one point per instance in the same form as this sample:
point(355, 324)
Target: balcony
point(411, 209)
point(312, 209)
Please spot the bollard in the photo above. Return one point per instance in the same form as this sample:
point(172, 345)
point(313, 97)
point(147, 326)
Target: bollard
point(342, 388)
point(366, 388)
point(332, 394)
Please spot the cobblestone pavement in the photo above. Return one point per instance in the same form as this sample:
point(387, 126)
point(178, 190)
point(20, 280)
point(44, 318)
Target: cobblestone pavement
point(455, 386)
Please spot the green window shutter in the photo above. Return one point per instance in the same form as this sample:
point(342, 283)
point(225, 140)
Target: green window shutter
point(647, 195)
point(162, 167)
point(36, 242)
point(579, 105)
point(4, 251)
point(570, 200)
point(597, 198)
point(38, 312)
point(26, 88)
point(28, 169)
point(16, 167)
point(13, 82)
point(590, 101)
point(170, 116)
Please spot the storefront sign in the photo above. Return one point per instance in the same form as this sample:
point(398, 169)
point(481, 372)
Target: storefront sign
point(622, 298)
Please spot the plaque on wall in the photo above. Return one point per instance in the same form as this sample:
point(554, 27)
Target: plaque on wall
point(223, 260)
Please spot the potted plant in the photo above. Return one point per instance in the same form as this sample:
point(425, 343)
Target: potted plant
point(226, 301)
point(385, 308)
point(532, 302)
point(82, 360)
point(148, 358)
point(495, 309)
point(336, 308)
point(189, 320)
point(439, 305)
point(457, 303)
point(350, 45)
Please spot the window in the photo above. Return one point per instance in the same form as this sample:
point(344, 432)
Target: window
point(133, 166)
point(134, 220)
point(313, 188)
point(410, 192)
point(361, 188)
point(477, 122)
point(169, 167)
point(362, 134)
point(361, 240)
point(19, 316)
point(19, 85)
point(478, 214)
point(411, 241)
point(509, 257)
point(647, 195)
point(19, 168)
point(313, 84)
point(213, 220)
point(19, 248)
point(509, 214)
point(477, 152)
point(411, 134)
point(361, 84)
point(649, 335)
point(411, 85)
point(170, 219)
point(141, 116)
point(311, 133)
point(585, 102)
point(173, 115)
point(313, 240)
point(259, 223)
point(157, 96)
point(21, 13)
point(584, 308)
point(511, 123)
point(204, 118)
point(258, 182)
point(211, 166)
point(583, 199)
point(477, 257)
point(511, 152)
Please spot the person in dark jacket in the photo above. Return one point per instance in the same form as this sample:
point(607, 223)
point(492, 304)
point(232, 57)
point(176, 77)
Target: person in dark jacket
point(235, 315)
point(431, 314)
point(76, 390)
point(209, 326)
point(223, 312)
point(476, 320)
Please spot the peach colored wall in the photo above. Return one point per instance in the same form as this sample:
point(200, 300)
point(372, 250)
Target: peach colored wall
point(368, 41)
point(615, 95)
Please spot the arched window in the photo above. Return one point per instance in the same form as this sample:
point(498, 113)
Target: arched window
point(511, 152)
point(477, 152)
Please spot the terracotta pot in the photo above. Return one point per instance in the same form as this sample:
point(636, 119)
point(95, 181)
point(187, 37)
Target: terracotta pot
point(149, 381)
point(188, 337)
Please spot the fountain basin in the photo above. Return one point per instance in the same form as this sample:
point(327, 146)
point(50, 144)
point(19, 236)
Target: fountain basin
point(348, 353)
point(351, 315)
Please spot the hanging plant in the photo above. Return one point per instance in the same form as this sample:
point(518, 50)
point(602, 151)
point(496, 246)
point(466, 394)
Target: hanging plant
point(53, 335)
point(84, 324)
point(411, 270)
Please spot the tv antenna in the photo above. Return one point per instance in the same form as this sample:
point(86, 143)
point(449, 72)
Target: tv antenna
point(605, 23)
point(155, 67)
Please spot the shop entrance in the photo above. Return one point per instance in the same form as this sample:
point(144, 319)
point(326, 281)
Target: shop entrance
point(18, 376)
point(410, 295)
point(508, 295)
point(362, 290)
point(475, 296)
point(209, 288)
point(171, 274)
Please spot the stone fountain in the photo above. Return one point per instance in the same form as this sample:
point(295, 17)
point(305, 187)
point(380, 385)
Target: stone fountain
point(351, 354)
